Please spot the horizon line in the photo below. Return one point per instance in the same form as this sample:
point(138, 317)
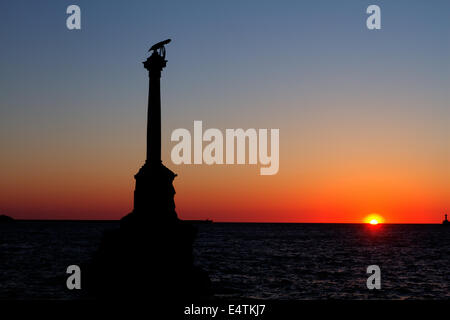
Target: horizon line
point(200, 220)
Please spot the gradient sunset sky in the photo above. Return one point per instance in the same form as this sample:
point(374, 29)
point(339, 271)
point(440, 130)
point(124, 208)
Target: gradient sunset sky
point(364, 116)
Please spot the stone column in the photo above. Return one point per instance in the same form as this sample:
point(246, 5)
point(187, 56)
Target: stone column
point(154, 64)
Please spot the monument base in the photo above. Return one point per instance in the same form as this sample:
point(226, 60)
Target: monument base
point(151, 253)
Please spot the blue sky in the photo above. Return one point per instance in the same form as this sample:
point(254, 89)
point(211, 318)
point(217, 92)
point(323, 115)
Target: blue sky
point(306, 67)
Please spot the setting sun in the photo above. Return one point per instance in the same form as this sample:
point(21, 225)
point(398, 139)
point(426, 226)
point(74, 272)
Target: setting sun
point(374, 219)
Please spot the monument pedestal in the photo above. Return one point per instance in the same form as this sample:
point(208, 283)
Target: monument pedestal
point(152, 249)
point(154, 194)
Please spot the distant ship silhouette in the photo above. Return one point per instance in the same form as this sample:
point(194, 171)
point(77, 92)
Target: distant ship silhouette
point(207, 221)
point(445, 222)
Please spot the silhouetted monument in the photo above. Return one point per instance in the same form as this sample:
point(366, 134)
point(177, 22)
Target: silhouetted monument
point(151, 254)
point(445, 222)
point(154, 193)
